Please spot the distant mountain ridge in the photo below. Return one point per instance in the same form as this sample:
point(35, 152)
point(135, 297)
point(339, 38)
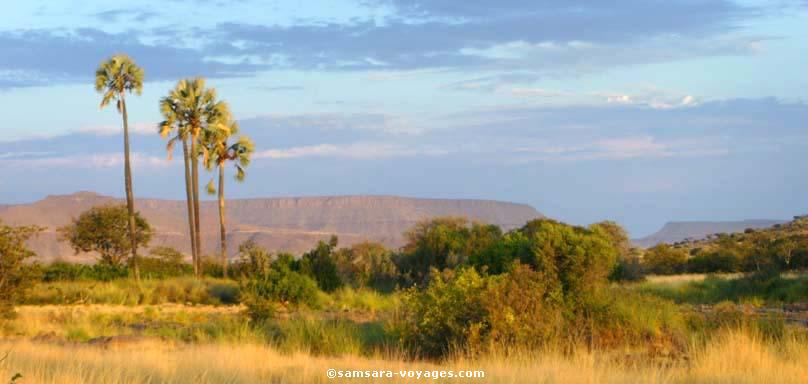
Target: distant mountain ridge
point(676, 231)
point(291, 224)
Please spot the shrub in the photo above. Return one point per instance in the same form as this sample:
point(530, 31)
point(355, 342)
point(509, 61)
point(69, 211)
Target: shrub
point(254, 260)
point(663, 259)
point(628, 268)
point(446, 315)
point(437, 243)
point(279, 285)
point(518, 312)
point(15, 279)
point(319, 265)
point(62, 271)
point(366, 264)
point(722, 260)
point(578, 259)
point(225, 293)
point(469, 313)
point(164, 262)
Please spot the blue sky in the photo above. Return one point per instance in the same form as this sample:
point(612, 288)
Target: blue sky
point(640, 111)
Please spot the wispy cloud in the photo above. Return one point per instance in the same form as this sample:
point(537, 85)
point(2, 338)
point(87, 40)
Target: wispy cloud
point(549, 37)
point(143, 128)
point(623, 148)
point(89, 161)
point(654, 99)
point(361, 150)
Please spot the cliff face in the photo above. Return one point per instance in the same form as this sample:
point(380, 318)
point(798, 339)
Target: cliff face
point(292, 224)
point(696, 230)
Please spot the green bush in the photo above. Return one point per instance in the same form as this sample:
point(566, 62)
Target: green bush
point(446, 315)
point(628, 268)
point(519, 311)
point(15, 279)
point(62, 271)
point(469, 313)
point(164, 262)
point(319, 264)
point(722, 260)
point(366, 264)
point(664, 259)
point(278, 285)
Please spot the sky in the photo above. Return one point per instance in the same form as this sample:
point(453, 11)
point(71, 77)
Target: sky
point(638, 111)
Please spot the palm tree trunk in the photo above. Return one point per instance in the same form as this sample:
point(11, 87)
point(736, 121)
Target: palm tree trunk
point(190, 201)
point(130, 198)
point(195, 181)
point(222, 231)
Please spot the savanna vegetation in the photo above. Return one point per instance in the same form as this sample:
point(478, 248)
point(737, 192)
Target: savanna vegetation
point(546, 301)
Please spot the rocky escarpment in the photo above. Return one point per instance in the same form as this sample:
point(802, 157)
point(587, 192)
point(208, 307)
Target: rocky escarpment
point(291, 224)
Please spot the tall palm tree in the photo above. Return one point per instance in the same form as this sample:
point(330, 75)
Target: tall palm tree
point(170, 108)
point(113, 79)
point(193, 110)
point(219, 153)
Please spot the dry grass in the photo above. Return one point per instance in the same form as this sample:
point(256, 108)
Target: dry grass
point(732, 358)
point(239, 355)
point(688, 277)
point(691, 277)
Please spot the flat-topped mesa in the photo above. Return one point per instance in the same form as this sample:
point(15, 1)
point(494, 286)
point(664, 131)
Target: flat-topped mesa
point(293, 224)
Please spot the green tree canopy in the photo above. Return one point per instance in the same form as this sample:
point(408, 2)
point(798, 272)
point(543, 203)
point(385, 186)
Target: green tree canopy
point(104, 229)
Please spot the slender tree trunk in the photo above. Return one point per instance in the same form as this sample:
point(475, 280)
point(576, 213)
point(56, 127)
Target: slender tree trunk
point(190, 202)
point(195, 181)
point(130, 198)
point(222, 231)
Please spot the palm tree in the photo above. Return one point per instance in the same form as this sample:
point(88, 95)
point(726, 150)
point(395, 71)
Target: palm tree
point(219, 152)
point(113, 79)
point(170, 108)
point(193, 110)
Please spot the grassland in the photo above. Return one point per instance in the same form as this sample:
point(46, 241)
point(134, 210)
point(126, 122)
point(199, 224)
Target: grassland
point(731, 358)
point(712, 289)
point(187, 331)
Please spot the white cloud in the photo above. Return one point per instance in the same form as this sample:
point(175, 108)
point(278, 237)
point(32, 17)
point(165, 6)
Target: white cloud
point(360, 150)
point(620, 148)
point(540, 92)
point(652, 98)
point(142, 128)
point(101, 160)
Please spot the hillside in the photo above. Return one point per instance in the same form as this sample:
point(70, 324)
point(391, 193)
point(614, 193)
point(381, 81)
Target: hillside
point(676, 231)
point(291, 224)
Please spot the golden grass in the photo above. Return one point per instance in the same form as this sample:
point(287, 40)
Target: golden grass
point(688, 277)
point(731, 358)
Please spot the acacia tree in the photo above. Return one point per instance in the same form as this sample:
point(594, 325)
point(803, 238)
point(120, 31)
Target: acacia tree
point(192, 107)
point(219, 153)
point(103, 229)
point(113, 79)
